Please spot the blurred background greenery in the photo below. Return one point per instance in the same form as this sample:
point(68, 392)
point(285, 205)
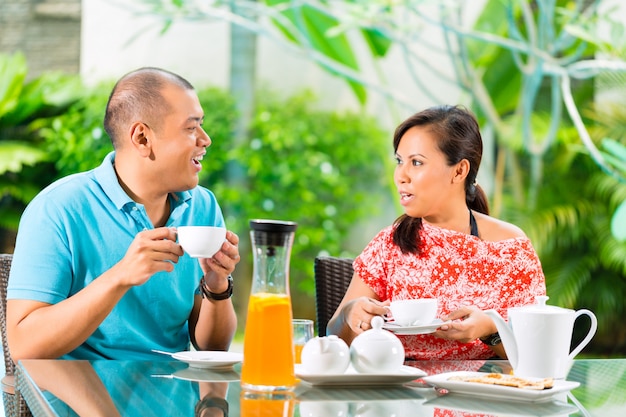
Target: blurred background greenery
point(547, 87)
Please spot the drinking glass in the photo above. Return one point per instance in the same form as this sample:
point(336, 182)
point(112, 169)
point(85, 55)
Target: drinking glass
point(302, 333)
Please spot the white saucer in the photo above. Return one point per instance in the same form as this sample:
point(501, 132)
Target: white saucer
point(421, 329)
point(206, 375)
point(353, 378)
point(209, 359)
point(497, 391)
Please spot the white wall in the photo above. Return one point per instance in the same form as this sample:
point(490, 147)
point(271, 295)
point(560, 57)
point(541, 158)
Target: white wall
point(114, 41)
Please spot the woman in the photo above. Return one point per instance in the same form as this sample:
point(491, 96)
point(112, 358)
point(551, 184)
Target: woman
point(445, 246)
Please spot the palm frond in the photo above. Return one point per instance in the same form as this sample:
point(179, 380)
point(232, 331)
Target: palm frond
point(557, 226)
point(565, 280)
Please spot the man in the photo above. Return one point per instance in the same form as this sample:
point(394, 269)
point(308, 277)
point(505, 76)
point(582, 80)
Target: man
point(97, 272)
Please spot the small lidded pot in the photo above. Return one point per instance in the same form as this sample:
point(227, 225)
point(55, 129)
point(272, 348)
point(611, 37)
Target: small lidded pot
point(377, 350)
point(326, 355)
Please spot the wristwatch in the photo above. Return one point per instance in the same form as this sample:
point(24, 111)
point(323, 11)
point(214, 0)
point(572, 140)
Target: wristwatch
point(216, 296)
point(492, 339)
point(216, 402)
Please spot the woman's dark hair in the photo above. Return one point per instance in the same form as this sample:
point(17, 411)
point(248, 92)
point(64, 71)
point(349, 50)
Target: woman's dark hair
point(458, 136)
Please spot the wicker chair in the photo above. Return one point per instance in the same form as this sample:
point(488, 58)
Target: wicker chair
point(12, 406)
point(332, 277)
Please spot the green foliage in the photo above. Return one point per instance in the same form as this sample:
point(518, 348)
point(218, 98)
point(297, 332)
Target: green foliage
point(618, 225)
point(76, 140)
point(309, 26)
point(500, 73)
point(321, 169)
point(609, 123)
point(24, 105)
point(615, 152)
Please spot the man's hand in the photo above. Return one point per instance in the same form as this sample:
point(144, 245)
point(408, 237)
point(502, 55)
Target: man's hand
point(222, 264)
point(150, 252)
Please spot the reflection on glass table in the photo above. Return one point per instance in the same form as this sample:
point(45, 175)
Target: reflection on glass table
point(172, 388)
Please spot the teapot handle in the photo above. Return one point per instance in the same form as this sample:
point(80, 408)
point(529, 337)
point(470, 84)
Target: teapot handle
point(590, 333)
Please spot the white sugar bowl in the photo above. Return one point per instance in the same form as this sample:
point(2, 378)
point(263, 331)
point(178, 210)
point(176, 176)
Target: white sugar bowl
point(326, 355)
point(377, 350)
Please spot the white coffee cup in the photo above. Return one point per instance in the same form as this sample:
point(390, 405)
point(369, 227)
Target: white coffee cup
point(414, 312)
point(201, 241)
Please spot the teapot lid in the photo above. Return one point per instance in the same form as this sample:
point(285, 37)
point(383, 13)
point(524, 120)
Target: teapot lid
point(540, 306)
point(376, 333)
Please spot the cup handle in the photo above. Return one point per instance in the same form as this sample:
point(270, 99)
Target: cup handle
point(590, 334)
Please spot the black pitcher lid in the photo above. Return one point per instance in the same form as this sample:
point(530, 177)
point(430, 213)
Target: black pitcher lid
point(275, 226)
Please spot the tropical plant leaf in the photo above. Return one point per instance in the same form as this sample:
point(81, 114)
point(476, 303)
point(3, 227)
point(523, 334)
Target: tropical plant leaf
point(615, 148)
point(22, 191)
point(618, 223)
point(314, 25)
point(379, 43)
point(501, 76)
point(566, 279)
point(15, 155)
point(13, 72)
point(46, 95)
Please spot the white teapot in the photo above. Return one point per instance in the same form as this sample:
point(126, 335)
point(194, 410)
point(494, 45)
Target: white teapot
point(326, 355)
point(376, 350)
point(324, 408)
point(537, 338)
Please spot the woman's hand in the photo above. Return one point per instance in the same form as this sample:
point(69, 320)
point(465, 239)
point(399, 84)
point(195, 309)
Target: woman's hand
point(468, 324)
point(358, 313)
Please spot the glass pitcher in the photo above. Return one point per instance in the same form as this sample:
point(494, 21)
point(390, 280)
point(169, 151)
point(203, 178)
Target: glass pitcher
point(267, 404)
point(268, 361)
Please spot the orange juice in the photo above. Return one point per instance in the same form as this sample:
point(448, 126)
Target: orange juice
point(298, 353)
point(266, 405)
point(268, 353)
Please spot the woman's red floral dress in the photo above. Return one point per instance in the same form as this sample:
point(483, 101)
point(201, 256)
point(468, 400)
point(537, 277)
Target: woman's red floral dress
point(458, 269)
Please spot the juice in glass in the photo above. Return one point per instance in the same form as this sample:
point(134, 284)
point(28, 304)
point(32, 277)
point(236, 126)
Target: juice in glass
point(298, 353)
point(302, 333)
point(268, 353)
point(255, 404)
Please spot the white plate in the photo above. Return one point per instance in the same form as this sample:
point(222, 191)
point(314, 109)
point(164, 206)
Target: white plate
point(421, 329)
point(497, 391)
point(480, 405)
point(353, 378)
point(209, 359)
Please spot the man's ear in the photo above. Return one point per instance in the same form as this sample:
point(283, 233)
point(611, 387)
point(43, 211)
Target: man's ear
point(140, 138)
point(461, 171)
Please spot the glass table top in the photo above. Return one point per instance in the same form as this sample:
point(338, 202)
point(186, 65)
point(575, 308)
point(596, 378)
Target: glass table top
point(172, 388)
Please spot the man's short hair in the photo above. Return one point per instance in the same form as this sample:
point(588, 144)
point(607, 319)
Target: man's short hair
point(137, 97)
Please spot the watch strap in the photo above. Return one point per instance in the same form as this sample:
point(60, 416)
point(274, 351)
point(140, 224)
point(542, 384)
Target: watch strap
point(217, 402)
point(492, 340)
point(216, 296)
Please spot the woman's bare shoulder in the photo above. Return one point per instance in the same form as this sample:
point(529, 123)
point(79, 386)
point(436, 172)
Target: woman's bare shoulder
point(494, 230)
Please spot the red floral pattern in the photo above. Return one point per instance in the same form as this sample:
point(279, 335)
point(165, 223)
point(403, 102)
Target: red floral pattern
point(458, 269)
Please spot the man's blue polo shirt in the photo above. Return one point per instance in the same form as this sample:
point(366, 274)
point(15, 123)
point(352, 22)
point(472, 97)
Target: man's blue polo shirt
point(78, 228)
